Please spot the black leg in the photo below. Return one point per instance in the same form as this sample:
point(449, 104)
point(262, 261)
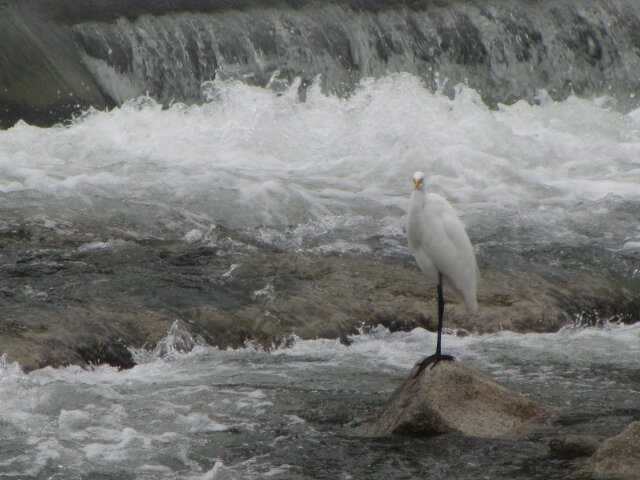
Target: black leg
point(438, 356)
point(440, 315)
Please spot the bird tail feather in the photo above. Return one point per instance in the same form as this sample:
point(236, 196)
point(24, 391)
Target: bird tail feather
point(472, 304)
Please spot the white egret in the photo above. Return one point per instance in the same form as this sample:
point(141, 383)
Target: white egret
point(443, 252)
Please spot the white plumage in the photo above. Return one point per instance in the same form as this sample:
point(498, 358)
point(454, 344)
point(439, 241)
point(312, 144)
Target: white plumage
point(441, 248)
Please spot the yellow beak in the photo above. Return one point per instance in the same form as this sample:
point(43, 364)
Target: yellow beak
point(416, 183)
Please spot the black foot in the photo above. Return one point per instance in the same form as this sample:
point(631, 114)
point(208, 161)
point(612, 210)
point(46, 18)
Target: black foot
point(431, 359)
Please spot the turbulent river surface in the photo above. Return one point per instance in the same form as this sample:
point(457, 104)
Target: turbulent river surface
point(231, 231)
point(254, 158)
point(554, 183)
point(289, 414)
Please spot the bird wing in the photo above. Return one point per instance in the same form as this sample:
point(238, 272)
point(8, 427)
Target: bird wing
point(448, 246)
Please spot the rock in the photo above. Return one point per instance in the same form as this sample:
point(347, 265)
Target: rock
point(80, 336)
point(617, 458)
point(453, 398)
point(233, 289)
point(178, 340)
point(574, 446)
point(112, 352)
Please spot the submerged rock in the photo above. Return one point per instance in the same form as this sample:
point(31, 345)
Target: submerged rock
point(574, 446)
point(63, 302)
point(617, 458)
point(177, 341)
point(451, 397)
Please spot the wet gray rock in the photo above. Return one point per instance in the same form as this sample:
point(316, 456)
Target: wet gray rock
point(618, 458)
point(574, 446)
point(85, 336)
point(60, 301)
point(451, 397)
point(178, 340)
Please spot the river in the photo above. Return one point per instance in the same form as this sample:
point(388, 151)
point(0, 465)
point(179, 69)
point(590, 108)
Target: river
point(264, 214)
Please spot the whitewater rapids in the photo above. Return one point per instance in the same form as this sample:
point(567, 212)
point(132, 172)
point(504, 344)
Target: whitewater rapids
point(258, 157)
point(553, 184)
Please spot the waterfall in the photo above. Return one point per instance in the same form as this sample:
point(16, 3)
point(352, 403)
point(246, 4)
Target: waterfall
point(505, 50)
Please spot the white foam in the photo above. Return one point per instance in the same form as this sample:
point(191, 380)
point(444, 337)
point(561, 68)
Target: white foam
point(218, 472)
point(193, 236)
point(73, 420)
point(253, 157)
point(201, 423)
point(631, 245)
point(99, 245)
point(9, 371)
point(119, 447)
point(401, 350)
point(134, 419)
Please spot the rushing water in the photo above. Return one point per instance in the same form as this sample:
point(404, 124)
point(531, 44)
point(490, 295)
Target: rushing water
point(213, 414)
point(537, 184)
point(504, 50)
point(549, 182)
point(565, 171)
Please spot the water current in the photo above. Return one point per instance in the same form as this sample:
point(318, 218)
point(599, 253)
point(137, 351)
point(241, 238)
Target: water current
point(288, 414)
point(254, 157)
point(557, 181)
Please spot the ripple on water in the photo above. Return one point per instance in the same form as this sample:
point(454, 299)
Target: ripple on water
point(247, 413)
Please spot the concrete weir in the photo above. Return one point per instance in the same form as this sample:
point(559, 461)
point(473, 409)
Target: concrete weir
point(42, 78)
point(58, 57)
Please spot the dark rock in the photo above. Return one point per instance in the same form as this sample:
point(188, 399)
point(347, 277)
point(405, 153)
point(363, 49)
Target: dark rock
point(574, 446)
point(453, 398)
point(114, 353)
point(617, 458)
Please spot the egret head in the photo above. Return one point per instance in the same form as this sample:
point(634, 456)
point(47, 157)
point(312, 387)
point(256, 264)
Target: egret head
point(418, 178)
